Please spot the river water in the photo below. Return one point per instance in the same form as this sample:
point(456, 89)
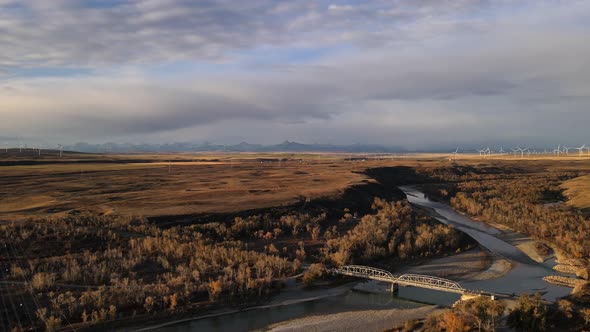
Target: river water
point(525, 277)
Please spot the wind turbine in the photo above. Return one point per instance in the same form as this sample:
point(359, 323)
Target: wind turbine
point(481, 152)
point(502, 149)
point(566, 150)
point(558, 150)
point(521, 150)
point(455, 153)
point(581, 149)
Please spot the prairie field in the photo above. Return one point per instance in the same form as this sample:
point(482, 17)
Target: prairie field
point(148, 185)
point(189, 184)
point(577, 192)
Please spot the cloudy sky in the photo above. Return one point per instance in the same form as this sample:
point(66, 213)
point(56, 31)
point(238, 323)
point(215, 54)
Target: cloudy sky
point(413, 73)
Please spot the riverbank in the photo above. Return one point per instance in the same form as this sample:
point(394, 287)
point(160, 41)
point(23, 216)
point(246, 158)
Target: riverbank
point(294, 295)
point(504, 244)
point(475, 264)
point(535, 250)
point(365, 320)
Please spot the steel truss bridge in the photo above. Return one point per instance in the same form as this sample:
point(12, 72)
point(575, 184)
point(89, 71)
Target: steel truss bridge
point(414, 280)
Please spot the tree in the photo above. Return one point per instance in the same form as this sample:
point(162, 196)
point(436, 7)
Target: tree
point(566, 307)
point(149, 304)
point(42, 280)
point(315, 232)
point(215, 288)
point(585, 313)
point(483, 311)
point(530, 314)
point(51, 322)
point(112, 312)
point(454, 322)
point(173, 301)
point(314, 272)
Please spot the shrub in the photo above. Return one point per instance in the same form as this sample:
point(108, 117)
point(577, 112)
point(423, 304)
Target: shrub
point(315, 272)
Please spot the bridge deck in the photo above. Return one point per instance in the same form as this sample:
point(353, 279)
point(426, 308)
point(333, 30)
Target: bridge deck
point(413, 280)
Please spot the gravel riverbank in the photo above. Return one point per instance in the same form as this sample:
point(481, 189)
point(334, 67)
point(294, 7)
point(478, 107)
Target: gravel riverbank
point(365, 320)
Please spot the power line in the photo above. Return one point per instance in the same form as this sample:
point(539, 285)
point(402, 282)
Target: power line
point(28, 282)
point(5, 308)
point(16, 314)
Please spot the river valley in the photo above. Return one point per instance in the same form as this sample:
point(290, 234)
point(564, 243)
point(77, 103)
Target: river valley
point(525, 276)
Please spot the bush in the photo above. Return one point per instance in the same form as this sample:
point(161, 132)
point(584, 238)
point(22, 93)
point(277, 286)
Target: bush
point(315, 272)
point(42, 280)
point(410, 325)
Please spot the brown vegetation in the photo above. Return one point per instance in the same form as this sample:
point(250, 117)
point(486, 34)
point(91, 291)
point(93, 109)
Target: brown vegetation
point(481, 314)
point(519, 202)
point(226, 231)
point(168, 189)
point(85, 268)
point(394, 231)
point(577, 191)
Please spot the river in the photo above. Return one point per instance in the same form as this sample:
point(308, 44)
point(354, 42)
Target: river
point(525, 277)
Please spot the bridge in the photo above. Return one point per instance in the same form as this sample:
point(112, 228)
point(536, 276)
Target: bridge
point(413, 280)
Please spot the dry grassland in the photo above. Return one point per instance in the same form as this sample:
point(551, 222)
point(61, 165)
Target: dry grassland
point(578, 192)
point(186, 184)
point(161, 188)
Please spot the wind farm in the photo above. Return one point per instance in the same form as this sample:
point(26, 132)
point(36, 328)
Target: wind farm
point(560, 152)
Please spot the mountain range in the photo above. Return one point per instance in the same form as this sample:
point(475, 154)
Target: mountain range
point(286, 146)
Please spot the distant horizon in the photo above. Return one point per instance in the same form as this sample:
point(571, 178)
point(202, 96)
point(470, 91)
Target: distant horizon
point(285, 146)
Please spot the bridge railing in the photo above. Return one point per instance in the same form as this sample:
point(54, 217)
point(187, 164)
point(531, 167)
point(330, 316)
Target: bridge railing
point(365, 271)
point(431, 281)
point(417, 280)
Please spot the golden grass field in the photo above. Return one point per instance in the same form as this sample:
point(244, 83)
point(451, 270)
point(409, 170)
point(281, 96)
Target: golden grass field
point(578, 192)
point(183, 184)
point(162, 188)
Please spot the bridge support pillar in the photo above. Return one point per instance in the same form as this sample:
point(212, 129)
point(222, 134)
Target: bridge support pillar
point(394, 288)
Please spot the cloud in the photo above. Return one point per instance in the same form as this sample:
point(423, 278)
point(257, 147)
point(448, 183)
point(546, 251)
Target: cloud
point(133, 105)
point(372, 72)
point(84, 33)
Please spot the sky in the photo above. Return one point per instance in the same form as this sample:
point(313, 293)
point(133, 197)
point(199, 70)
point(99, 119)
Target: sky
point(416, 73)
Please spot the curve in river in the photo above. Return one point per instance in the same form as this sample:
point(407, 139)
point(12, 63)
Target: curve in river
point(526, 275)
